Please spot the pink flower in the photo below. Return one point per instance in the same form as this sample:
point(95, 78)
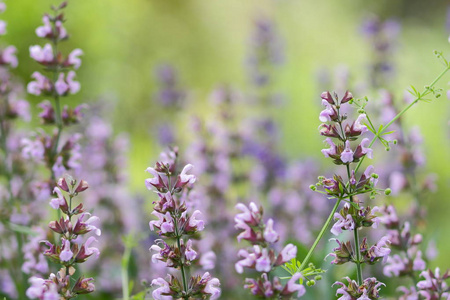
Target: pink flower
point(46, 29)
point(263, 263)
point(74, 86)
point(330, 151)
point(270, 235)
point(61, 86)
point(328, 113)
point(212, 286)
point(190, 253)
point(2, 26)
point(91, 250)
point(42, 55)
point(199, 225)
point(292, 286)
point(66, 253)
point(42, 83)
point(289, 252)
point(8, 56)
point(162, 289)
point(358, 126)
point(347, 154)
point(73, 58)
point(55, 203)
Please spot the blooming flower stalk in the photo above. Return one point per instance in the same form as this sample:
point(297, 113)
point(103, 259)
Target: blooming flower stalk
point(262, 257)
point(59, 82)
point(177, 227)
point(353, 216)
point(73, 247)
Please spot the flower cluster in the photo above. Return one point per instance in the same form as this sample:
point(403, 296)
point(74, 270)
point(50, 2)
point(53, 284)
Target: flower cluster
point(171, 97)
point(266, 51)
point(53, 60)
point(176, 223)
point(409, 259)
point(58, 83)
point(353, 216)
point(368, 290)
point(71, 248)
point(383, 39)
point(262, 257)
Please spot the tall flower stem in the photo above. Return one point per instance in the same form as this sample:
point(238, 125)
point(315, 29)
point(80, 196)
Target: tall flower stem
point(58, 117)
point(183, 271)
point(356, 237)
point(319, 237)
point(420, 96)
point(125, 264)
point(358, 257)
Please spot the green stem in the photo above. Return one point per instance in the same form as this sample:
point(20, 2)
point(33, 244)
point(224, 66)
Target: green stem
point(319, 237)
point(183, 272)
point(420, 97)
point(358, 257)
point(125, 264)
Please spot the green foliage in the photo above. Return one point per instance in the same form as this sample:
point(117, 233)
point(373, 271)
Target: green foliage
point(310, 274)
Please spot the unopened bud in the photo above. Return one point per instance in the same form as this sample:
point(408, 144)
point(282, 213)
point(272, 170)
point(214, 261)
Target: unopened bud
point(312, 187)
point(310, 283)
point(82, 186)
point(387, 191)
point(62, 184)
point(318, 277)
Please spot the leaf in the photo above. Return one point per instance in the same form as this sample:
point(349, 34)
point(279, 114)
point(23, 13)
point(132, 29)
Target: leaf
point(22, 229)
point(389, 132)
point(139, 296)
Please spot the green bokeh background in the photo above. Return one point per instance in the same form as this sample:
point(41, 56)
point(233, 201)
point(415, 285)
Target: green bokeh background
point(207, 41)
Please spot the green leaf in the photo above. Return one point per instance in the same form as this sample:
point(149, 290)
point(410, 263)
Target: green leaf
point(389, 132)
point(139, 296)
point(22, 229)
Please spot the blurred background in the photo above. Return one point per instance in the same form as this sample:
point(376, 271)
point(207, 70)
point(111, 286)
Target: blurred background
point(324, 44)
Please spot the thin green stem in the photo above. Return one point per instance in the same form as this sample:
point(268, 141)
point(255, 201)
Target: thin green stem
point(358, 257)
point(183, 271)
point(420, 97)
point(319, 237)
point(125, 264)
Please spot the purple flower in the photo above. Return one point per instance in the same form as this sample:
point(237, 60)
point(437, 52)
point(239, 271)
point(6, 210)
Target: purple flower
point(328, 114)
point(66, 253)
point(42, 289)
point(46, 29)
point(347, 154)
point(194, 223)
point(212, 286)
point(56, 203)
point(190, 253)
point(292, 286)
point(163, 288)
point(208, 260)
point(358, 126)
point(380, 249)
point(184, 178)
point(263, 263)
point(346, 223)
point(248, 261)
point(73, 58)
point(270, 235)
point(42, 55)
point(8, 56)
point(330, 151)
point(363, 150)
point(91, 250)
